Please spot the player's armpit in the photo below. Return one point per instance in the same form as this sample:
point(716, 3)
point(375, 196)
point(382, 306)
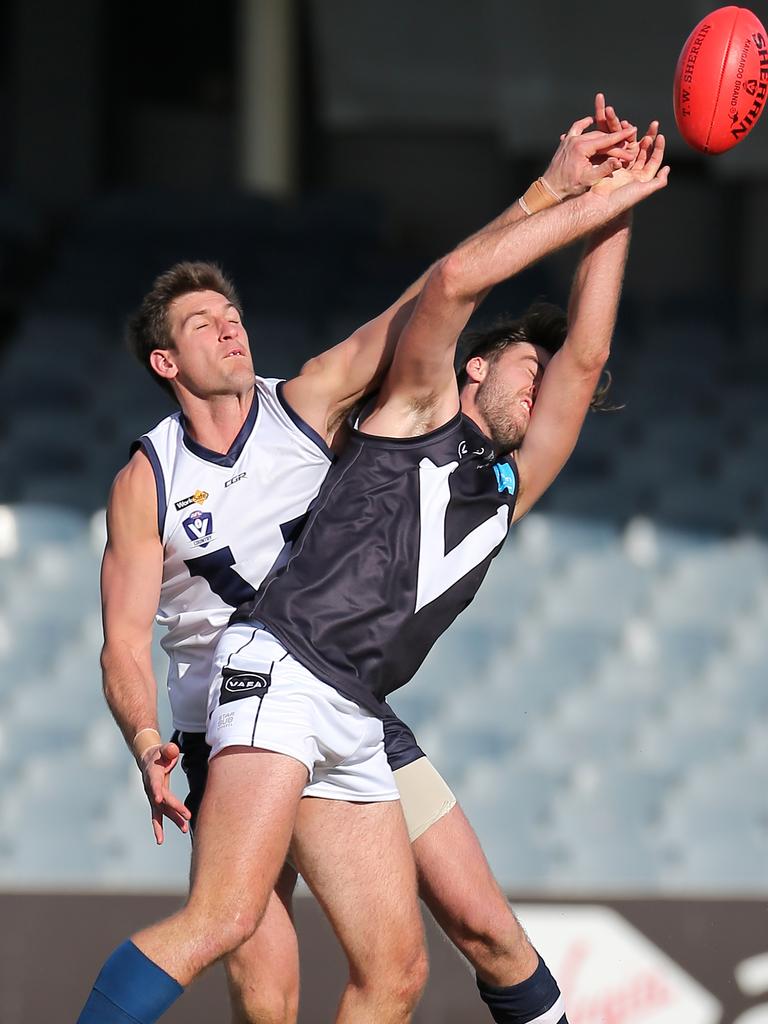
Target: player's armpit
point(420, 392)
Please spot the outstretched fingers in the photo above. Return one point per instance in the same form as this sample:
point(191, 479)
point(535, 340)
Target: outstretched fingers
point(604, 169)
point(578, 127)
point(600, 110)
point(606, 118)
point(654, 159)
point(605, 142)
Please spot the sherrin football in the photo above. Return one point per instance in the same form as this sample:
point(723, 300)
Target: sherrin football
point(721, 80)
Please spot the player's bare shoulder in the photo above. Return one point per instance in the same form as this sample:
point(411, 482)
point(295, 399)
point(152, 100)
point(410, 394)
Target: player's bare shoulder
point(132, 504)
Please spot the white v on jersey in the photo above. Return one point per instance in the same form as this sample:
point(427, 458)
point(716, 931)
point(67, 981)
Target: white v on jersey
point(223, 521)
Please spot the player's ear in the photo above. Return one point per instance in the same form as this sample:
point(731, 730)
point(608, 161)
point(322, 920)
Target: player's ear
point(476, 369)
point(161, 361)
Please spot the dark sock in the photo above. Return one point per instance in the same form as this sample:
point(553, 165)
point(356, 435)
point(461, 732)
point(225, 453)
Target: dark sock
point(130, 989)
point(537, 1000)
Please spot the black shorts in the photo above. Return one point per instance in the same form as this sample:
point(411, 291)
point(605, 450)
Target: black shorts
point(399, 743)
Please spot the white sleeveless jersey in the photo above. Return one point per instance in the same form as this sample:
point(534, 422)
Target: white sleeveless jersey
point(223, 521)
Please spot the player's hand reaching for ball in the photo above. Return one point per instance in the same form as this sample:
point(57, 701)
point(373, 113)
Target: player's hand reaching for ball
point(585, 157)
point(645, 175)
point(156, 764)
point(607, 120)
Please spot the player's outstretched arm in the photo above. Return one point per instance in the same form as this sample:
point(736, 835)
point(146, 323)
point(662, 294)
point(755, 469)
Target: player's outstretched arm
point(573, 373)
point(332, 382)
point(420, 390)
point(131, 574)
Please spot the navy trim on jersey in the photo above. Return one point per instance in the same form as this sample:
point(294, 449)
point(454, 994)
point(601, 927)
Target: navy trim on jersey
point(400, 744)
point(380, 440)
point(237, 445)
point(303, 426)
point(157, 470)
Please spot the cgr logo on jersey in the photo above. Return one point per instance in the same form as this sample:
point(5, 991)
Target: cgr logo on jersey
point(234, 479)
point(194, 499)
point(237, 685)
point(199, 528)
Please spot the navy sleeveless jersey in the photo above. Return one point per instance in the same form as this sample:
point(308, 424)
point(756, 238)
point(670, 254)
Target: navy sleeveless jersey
point(397, 543)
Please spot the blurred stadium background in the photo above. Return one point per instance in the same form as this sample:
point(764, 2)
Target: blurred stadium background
point(601, 709)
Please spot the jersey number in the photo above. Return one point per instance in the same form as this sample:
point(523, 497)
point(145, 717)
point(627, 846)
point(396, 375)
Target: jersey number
point(438, 569)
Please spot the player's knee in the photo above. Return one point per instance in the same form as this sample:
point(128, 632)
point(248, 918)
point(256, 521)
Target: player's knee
point(406, 978)
point(395, 979)
point(417, 974)
point(260, 996)
point(222, 933)
point(264, 1005)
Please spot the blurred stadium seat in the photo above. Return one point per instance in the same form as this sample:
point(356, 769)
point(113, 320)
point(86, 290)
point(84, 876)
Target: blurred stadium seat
point(601, 700)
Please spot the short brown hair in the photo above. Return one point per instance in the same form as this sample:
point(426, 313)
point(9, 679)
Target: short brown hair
point(149, 329)
point(543, 324)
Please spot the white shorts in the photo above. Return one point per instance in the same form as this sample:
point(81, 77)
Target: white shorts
point(262, 697)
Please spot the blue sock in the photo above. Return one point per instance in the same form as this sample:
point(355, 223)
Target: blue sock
point(536, 1000)
point(130, 989)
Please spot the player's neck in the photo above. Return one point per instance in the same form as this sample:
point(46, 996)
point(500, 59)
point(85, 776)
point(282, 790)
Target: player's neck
point(216, 421)
point(469, 408)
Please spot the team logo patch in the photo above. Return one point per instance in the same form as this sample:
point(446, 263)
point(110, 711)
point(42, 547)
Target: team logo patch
point(505, 477)
point(199, 528)
point(194, 499)
point(235, 685)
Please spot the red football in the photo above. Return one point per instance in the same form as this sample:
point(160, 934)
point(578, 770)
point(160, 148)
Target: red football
point(721, 80)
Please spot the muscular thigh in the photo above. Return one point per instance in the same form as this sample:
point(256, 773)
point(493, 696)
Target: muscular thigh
point(245, 822)
point(356, 858)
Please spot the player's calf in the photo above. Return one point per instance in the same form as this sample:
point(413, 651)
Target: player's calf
point(537, 1000)
point(263, 974)
point(458, 886)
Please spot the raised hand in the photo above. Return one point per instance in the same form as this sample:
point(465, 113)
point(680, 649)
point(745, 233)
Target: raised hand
point(607, 120)
point(585, 157)
point(156, 764)
point(629, 185)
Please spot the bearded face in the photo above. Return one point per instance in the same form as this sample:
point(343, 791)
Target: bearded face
point(506, 396)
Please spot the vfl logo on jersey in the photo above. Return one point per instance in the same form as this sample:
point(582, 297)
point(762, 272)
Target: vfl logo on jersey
point(194, 499)
point(199, 528)
point(505, 477)
point(237, 685)
point(439, 569)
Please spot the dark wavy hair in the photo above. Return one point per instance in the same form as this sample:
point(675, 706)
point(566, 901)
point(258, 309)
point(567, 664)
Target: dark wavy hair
point(148, 328)
point(543, 324)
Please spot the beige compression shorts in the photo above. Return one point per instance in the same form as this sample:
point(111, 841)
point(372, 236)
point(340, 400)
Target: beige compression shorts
point(424, 794)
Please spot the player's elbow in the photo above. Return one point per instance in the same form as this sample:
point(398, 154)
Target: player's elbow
point(589, 360)
point(109, 660)
point(448, 280)
point(314, 367)
point(117, 657)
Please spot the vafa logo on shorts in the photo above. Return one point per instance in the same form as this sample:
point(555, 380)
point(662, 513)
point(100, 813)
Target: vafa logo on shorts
point(199, 528)
point(235, 685)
